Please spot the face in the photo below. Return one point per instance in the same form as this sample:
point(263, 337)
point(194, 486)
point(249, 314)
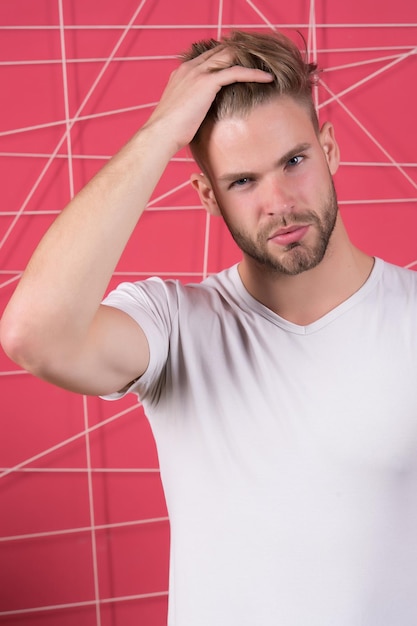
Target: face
point(269, 174)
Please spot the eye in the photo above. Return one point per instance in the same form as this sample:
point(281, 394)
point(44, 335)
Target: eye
point(240, 182)
point(295, 160)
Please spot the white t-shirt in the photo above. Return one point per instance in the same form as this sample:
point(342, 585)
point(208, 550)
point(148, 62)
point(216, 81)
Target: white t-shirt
point(288, 453)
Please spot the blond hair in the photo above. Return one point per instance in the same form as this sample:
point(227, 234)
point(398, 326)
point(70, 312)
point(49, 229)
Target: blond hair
point(274, 53)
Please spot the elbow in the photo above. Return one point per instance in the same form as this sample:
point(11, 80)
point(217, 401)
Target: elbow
point(36, 351)
point(16, 343)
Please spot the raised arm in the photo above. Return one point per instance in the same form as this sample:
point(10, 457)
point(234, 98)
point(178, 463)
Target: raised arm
point(54, 325)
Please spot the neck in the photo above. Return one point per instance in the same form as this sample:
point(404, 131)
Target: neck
point(308, 296)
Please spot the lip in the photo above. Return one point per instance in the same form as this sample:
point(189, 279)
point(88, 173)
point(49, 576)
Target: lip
point(289, 235)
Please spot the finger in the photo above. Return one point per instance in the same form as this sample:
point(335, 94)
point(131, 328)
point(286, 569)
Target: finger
point(222, 58)
point(208, 54)
point(239, 74)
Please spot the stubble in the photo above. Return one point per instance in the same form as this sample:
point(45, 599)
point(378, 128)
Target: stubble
point(297, 257)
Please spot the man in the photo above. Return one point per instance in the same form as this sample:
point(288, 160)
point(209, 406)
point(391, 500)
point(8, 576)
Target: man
point(281, 391)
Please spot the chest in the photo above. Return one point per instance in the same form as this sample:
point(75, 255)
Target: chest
point(348, 391)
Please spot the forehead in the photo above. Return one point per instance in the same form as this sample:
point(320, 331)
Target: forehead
point(269, 130)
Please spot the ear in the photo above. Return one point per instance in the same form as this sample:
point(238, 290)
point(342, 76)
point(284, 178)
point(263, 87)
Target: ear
point(330, 147)
point(202, 185)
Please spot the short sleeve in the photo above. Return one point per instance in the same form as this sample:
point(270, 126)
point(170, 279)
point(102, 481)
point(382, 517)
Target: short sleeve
point(153, 305)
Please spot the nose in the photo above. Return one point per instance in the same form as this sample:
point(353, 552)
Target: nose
point(277, 196)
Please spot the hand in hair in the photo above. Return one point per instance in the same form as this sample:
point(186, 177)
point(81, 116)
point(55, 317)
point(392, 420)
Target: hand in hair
point(191, 90)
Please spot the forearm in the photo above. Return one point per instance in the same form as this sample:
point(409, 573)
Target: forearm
point(64, 282)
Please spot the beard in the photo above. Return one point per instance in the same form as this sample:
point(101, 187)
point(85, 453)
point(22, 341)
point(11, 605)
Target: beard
point(297, 257)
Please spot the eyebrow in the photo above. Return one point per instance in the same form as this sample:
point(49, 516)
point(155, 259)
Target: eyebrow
point(233, 176)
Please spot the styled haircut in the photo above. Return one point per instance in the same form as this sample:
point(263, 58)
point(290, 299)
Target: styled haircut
point(274, 53)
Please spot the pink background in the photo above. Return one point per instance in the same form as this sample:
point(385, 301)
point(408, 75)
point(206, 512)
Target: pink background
point(83, 529)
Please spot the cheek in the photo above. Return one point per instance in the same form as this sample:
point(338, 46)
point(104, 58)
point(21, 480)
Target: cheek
point(239, 215)
point(317, 184)
point(229, 204)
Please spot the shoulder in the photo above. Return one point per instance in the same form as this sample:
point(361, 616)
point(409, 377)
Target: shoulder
point(157, 293)
point(397, 278)
point(395, 295)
